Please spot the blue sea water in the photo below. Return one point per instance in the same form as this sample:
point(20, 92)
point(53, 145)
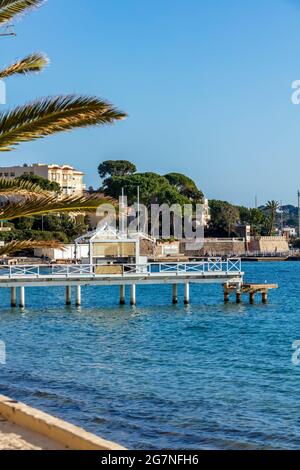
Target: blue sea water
point(206, 376)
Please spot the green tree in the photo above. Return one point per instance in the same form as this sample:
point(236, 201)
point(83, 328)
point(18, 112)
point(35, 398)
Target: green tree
point(271, 208)
point(186, 187)
point(255, 218)
point(224, 217)
point(111, 168)
point(154, 189)
point(25, 223)
point(47, 185)
point(73, 227)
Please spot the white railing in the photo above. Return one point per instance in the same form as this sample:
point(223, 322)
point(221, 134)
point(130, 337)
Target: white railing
point(205, 267)
point(212, 265)
point(267, 254)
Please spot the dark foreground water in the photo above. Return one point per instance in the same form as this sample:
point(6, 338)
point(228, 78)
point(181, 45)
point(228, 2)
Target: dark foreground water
point(162, 377)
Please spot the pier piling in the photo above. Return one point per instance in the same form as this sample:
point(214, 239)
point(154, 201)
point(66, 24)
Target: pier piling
point(122, 295)
point(187, 293)
point(250, 289)
point(265, 297)
point(133, 294)
point(175, 294)
point(78, 296)
point(22, 297)
point(68, 296)
point(13, 297)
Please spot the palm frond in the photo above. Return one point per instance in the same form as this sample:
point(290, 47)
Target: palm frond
point(39, 205)
point(16, 187)
point(52, 115)
point(15, 246)
point(32, 63)
point(11, 8)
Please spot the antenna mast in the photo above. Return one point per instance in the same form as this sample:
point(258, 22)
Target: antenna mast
point(298, 214)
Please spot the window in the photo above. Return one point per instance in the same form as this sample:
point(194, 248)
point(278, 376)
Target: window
point(6, 175)
point(13, 175)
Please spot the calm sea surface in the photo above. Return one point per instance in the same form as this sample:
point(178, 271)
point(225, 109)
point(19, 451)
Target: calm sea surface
point(208, 376)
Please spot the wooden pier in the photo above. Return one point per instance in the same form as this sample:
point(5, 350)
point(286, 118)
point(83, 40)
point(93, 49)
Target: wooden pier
point(209, 271)
point(227, 273)
point(250, 289)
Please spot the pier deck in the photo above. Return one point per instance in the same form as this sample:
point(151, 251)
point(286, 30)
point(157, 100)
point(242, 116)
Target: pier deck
point(251, 289)
point(210, 271)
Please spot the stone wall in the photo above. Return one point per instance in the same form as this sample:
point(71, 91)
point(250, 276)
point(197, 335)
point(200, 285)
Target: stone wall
point(213, 247)
point(147, 248)
point(269, 245)
point(231, 247)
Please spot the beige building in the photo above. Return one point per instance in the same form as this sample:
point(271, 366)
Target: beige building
point(69, 179)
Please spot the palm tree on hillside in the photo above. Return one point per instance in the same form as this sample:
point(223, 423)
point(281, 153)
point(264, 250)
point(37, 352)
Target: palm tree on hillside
point(272, 208)
point(39, 119)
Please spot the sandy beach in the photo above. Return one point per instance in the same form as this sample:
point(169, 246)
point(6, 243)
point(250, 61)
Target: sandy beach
point(14, 437)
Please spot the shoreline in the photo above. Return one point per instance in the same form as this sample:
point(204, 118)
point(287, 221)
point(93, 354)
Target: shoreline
point(25, 428)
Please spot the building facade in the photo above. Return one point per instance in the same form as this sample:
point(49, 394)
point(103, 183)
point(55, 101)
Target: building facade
point(69, 179)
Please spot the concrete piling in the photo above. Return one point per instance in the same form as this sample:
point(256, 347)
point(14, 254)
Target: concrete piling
point(22, 297)
point(133, 294)
point(68, 296)
point(78, 296)
point(175, 294)
point(13, 297)
point(122, 295)
point(186, 293)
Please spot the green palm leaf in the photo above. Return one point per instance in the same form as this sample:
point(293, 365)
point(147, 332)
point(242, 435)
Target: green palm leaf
point(11, 8)
point(17, 187)
point(32, 63)
point(39, 205)
point(52, 115)
point(15, 246)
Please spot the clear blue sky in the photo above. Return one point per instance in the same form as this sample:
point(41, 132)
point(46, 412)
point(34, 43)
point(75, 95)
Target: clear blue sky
point(207, 85)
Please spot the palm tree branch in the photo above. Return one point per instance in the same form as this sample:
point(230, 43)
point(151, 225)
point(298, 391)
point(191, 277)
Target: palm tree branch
point(52, 115)
point(15, 246)
point(39, 205)
point(11, 8)
point(32, 63)
point(20, 187)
